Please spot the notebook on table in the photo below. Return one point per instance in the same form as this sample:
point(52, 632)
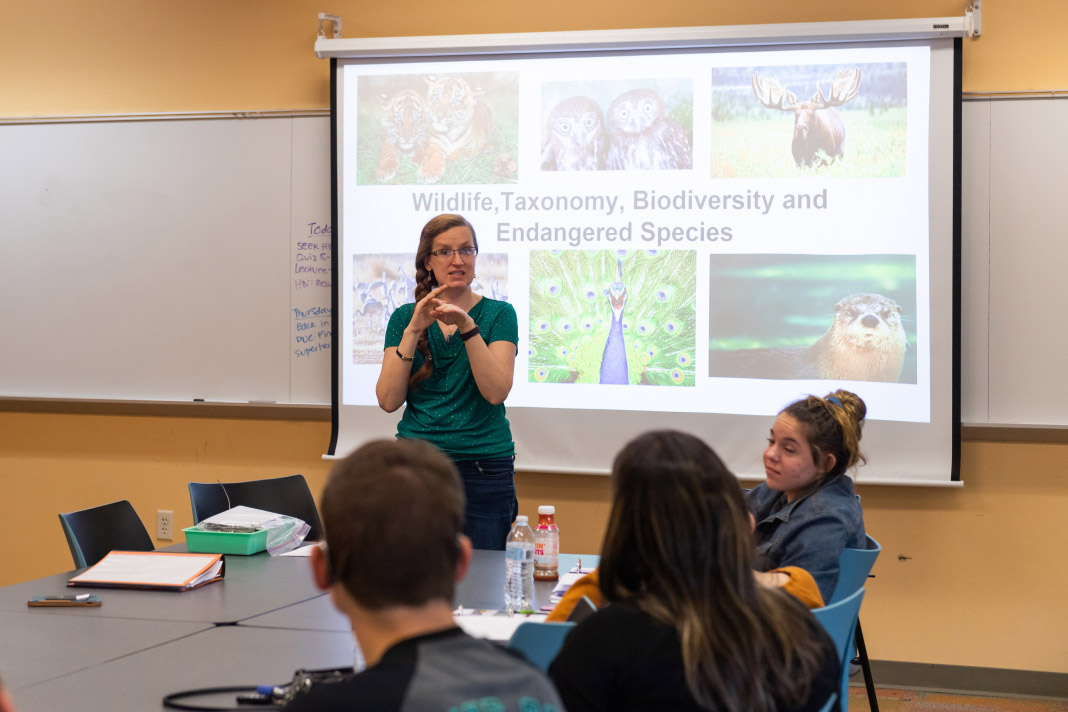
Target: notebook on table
point(153, 570)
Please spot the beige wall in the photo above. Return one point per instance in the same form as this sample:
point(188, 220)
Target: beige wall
point(970, 576)
point(131, 56)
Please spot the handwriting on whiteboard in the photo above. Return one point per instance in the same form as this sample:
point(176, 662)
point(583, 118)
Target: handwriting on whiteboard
point(312, 275)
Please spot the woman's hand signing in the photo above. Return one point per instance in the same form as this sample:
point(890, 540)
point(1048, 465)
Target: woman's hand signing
point(423, 314)
point(448, 313)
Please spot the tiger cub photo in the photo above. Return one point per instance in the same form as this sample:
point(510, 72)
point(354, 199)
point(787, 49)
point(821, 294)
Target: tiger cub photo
point(438, 128)
point(404, 132)
point(460, 125)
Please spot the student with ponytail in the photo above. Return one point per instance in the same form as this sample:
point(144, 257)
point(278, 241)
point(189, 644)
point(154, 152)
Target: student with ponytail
point(450, 356)
point(806, 511)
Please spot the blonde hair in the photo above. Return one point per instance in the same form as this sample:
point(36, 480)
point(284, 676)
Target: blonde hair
point(832, 425)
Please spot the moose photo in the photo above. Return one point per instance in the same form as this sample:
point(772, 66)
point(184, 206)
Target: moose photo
point(819, 132)
point(809, 120)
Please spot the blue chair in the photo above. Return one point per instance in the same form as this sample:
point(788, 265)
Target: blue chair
point(93, 533)
point(282, 495)
point(539, 642)
point(840, 621)
point(855, 567)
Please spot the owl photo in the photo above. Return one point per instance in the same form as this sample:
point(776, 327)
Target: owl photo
point(575, 136)
point(642, 136)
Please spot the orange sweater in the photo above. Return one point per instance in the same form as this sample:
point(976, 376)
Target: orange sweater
point(801, 586)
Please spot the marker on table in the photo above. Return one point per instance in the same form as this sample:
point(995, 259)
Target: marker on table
point(198, 400)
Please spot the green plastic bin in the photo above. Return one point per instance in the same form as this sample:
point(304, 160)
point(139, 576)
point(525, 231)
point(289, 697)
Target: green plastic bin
point(199, 541)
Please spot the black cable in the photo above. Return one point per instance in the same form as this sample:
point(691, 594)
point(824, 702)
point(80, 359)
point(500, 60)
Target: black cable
point(253, 695)
point(171, 700)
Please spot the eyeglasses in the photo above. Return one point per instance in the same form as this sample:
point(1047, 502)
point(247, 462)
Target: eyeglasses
point(464, 253)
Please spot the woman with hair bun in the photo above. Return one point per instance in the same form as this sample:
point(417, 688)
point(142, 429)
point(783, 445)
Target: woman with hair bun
point(806, 511)
point(450, 356)
point(687, 626)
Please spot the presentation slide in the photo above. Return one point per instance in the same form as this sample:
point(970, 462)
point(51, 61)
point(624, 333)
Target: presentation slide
point(680, 233)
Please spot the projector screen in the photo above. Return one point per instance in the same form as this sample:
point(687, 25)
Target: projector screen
point(747, 225)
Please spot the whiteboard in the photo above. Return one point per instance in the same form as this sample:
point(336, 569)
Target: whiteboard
point(166, 260)
point(156, 260)
point(1014, 251)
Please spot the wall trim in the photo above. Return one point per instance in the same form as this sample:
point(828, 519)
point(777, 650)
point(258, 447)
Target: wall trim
point(960, 678)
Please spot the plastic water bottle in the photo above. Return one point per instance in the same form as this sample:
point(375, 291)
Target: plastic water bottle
point(546, 545)
point(519, 567)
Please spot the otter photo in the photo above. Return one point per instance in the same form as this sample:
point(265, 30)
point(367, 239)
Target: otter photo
point(844, 318)
point(622, 317)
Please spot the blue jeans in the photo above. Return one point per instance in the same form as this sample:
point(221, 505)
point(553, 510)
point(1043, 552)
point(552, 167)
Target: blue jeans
point(489, 488)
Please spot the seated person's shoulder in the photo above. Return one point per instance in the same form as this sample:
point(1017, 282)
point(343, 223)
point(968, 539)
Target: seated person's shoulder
point(617, 627)
point(435, 672)
point(456, 671)
point(761, 497)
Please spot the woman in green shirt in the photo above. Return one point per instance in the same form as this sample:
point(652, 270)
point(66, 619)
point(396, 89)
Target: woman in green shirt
point(450, 356)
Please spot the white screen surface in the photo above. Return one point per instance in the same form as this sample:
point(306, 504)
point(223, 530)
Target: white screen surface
point(667, 180)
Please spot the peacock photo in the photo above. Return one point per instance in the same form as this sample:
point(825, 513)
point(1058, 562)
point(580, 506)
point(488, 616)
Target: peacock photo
point(624, 317)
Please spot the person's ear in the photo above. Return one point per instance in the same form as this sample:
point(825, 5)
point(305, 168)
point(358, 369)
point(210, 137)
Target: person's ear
point(320, 564)
point(463, 561)
point(828, 463)
point(752, 522)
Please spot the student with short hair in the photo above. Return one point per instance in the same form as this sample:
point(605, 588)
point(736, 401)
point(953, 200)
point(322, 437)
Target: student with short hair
point(393, 515)
point(687, 626)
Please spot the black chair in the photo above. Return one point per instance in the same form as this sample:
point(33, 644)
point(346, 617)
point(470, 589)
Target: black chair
point(92, 533)
point(282, 495)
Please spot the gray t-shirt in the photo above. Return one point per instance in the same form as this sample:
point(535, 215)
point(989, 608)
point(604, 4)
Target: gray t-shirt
point(448, 671)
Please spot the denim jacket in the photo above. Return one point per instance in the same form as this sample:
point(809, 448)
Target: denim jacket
point(809, 532)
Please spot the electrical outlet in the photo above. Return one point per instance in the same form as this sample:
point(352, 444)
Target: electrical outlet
point(165, 525)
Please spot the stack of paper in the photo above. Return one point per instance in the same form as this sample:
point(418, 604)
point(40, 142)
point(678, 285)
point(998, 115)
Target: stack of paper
point(162, 570)
point(566, 581)
point(492, 625)
point(239, 519)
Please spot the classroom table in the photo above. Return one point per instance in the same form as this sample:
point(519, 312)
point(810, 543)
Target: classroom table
point(252, 585)
point(224, 656)
point(35, 648)
point(262, 622)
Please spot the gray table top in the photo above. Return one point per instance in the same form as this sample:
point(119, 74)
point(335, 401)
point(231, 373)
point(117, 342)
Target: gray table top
point(224, 656)
point(481, 588)
point(37, 647)
point(253, 585)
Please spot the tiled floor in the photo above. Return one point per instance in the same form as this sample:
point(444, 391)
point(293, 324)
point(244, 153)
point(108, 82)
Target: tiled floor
point(892, 700)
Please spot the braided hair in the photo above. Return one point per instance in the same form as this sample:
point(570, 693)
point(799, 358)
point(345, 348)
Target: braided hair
point(425, 281)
